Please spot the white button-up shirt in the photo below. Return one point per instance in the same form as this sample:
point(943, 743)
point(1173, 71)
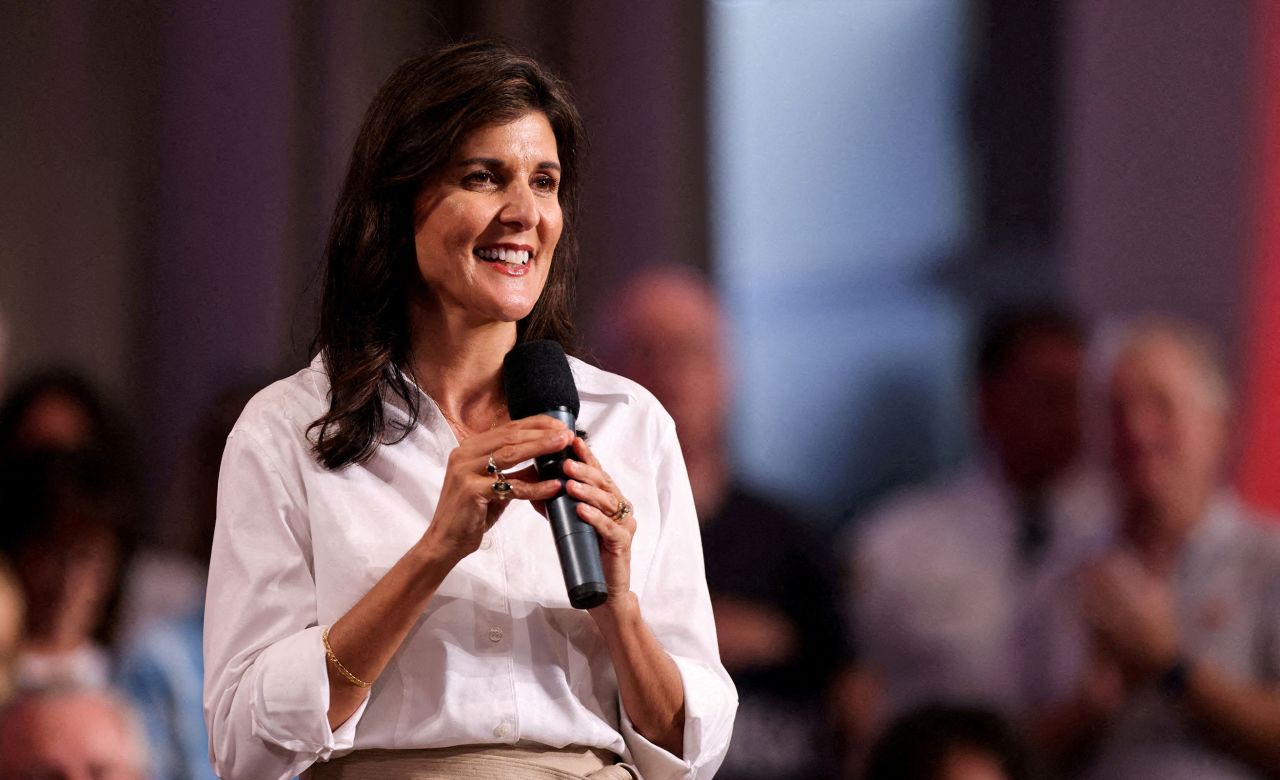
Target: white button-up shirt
point(498, 656)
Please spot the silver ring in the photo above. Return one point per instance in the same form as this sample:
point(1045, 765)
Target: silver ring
point(492, 466)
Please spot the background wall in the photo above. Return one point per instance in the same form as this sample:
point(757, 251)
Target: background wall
point(839, 187)
point(169, 170)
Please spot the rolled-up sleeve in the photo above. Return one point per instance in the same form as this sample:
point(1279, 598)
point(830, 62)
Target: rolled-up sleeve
point(677, 607)
point(266, 691)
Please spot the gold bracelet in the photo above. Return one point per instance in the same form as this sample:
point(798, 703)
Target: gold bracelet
point(333, 659)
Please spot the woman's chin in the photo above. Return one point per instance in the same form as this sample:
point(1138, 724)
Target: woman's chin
point(508, 311)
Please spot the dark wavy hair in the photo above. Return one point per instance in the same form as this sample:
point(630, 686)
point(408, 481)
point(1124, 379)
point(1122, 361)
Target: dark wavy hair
point(416, 121)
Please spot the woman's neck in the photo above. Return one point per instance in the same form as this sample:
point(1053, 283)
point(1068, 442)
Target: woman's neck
point(459, 364)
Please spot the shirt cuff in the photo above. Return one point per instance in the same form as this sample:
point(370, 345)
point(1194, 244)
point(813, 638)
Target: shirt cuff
point(709, 705)
point(291, 703)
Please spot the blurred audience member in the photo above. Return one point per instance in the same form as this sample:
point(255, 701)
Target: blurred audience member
point(1163, 652)
point(13, 608)
point(940, 571)
point(60, 526)
point(70, 734)
point(950, 743)
point(162, 666)
point(57, 410)
point(771, 584)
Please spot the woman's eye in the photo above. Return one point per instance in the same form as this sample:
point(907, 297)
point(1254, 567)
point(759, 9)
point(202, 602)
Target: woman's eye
point(546, 183)
point(481, 177)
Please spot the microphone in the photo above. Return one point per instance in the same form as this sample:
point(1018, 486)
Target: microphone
point(537, 380)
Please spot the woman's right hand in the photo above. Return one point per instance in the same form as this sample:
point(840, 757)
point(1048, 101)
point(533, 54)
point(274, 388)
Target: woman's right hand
point(468, 505)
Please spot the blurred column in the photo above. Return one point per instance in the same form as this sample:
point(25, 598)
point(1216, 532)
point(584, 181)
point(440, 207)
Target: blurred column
point(1260, 463)
point(216, 278)
point(838, 185)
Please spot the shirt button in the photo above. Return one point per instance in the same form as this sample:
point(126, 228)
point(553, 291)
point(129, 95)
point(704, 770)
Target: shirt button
point(503, 729)
point(486, 542)
point(495, 635)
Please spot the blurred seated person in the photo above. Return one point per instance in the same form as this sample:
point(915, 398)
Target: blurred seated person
point(56, 409)
point(13, 608)
point(1160, 657)
point(60, 520)
point(938, 742)
point(161, 666)
point(70, 734)
point(940, 571)
point(772, 586)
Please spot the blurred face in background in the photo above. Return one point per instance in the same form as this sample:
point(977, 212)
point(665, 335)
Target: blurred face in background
point(69, 736)
point(668, 330)
point(54, 420)
point(1169, 427)
point(1030, 409)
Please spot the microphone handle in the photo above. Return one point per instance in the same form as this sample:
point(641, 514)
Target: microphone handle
point(576, 541)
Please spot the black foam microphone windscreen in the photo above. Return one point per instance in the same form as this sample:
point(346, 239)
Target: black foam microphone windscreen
point(537, 380)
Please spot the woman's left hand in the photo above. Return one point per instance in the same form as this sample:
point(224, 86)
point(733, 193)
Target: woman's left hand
point(600, 505)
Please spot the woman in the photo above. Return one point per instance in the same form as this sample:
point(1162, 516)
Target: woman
point(374, 585)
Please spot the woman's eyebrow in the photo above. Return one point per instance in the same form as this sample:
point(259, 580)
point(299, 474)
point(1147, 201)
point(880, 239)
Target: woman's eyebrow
point(494, 162)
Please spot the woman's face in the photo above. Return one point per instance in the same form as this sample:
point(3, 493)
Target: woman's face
point(487, 225)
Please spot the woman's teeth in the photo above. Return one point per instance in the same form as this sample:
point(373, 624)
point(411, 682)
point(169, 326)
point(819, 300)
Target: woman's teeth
point(511, 256)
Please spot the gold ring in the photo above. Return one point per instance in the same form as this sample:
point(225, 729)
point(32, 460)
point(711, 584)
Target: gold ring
point(622, 511)
point(502, 487)
point(492, 466)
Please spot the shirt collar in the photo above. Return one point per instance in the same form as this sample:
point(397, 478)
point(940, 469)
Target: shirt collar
point(593, 383)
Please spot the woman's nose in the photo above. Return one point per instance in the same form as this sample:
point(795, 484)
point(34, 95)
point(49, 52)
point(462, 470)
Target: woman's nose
point(521, 209)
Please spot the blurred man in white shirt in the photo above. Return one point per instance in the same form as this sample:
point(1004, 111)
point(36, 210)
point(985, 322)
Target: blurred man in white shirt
point(940, 572)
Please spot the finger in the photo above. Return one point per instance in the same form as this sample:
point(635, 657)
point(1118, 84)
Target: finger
point(584, 453)
point(508, 448)
point(534, 491)
point(591, 474)
point(482, 485)
point(602, 500)
point(515, 430)
point(611, 533)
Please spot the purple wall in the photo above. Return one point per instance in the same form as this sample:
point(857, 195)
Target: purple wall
point(1156, 172)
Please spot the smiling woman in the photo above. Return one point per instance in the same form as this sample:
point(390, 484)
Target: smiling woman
point(385, 598)
point(487, 226)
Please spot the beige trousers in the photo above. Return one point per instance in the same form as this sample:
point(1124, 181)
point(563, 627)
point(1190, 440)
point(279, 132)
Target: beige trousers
point(475, 762)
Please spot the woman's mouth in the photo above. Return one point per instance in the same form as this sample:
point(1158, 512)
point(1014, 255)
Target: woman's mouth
point(513, 257)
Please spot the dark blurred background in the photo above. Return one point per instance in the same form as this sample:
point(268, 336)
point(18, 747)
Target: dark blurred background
point(863, 179)
point(867, 184)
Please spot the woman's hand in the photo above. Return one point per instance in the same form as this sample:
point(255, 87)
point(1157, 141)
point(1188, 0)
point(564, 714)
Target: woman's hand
point(649, 681)
point(601, 504)
point(468, 504)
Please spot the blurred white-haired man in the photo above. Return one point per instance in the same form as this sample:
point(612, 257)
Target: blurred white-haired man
point(1159, 656)
point(70, 734)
